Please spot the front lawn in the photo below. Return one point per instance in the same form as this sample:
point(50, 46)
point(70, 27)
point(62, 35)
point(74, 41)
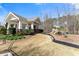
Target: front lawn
point(10, 37)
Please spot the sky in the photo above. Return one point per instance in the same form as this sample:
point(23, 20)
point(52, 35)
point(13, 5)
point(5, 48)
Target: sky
point(32, 10)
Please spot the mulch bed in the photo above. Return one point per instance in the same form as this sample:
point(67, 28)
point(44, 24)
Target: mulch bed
point(69, 38)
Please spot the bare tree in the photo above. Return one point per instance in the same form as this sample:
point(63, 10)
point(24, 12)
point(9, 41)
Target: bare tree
point(58, 13)
point(48, 24)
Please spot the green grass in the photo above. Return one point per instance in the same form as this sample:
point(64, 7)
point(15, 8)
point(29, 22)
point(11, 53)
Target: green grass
point(10, 37)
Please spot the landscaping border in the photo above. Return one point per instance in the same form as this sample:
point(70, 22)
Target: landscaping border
point(71, 44)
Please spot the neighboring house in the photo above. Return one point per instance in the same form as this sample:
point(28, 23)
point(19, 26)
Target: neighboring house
point(19, 22)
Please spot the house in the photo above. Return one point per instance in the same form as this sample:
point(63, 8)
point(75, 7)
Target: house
point(19, 22)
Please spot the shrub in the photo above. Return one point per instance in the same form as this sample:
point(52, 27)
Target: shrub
point(3, 30)
point(59, 33)
point(25, 32)
point(10, 37)
point(38, 30)
point(12, 30)
point(19, 33)
point(28, 31)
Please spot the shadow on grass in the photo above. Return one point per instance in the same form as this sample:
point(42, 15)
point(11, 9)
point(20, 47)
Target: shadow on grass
point(67, 43)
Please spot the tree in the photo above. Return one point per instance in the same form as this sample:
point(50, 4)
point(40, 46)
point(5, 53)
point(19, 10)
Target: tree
point(77, 24)
point(48, 25)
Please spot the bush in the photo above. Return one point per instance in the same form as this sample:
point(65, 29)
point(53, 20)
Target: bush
point(12, 30)
point(25, 32)
point(3, 30)
point(19, 33)
point(59, 33)
point(29, 31)
point(10, 37)
point(38, 30)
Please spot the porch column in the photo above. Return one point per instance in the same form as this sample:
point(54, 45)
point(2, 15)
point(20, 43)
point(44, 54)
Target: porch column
point(27, 26)
point(32, 26)
point(8, 28)
point(19, 25)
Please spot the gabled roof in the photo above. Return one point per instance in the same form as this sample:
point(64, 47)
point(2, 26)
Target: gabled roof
point(21, 17)
point(17, 16)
